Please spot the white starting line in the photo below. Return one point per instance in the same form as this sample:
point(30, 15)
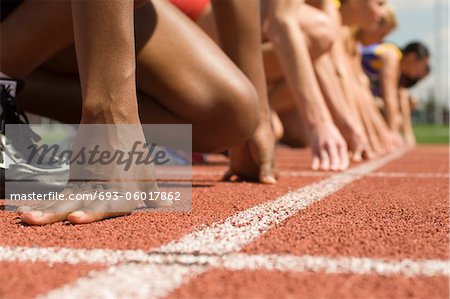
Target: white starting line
point(232, 261)
point(156, 273)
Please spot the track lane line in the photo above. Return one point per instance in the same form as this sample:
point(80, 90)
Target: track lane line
point(228, 236)
point(336, 265)
point(233, 261)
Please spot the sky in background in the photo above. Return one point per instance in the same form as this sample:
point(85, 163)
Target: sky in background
point(426, 21)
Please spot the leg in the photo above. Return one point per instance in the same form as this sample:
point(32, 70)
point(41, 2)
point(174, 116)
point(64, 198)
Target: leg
point(208, 91)
point(219, 101)
point(109, 97)
point(33, 33)
point(295, 132)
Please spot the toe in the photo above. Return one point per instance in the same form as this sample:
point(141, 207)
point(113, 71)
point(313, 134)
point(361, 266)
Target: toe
point(87, 216)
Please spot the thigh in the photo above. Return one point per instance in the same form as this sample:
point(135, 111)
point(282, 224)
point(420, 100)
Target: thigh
point(295, 133)
point(180, 67)
point(64, 63)
point(183, 77)
point(272, 66)
point(49, 94)
point(281, 98)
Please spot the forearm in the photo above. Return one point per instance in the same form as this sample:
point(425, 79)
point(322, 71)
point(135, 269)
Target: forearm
point(365, 95)
point(341, 65)
point(391, 110)
point(405, 110)
point(334, 95)
point(294, 57)
point(390, 94)
point(370, 106)
point(104, 40)
point(239, 29)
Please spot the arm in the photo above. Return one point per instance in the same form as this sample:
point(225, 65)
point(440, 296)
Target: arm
point(405, 108)
point(388, 139)
point(289, 43)
point(292, 51)
point(347, 122)
point(389, 84)
point(357, 90)
point(239, 28)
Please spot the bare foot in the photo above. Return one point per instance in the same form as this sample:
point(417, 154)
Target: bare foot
point(85, 203)
point(109, 177)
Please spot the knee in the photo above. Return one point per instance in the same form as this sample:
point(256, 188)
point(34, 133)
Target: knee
point(234, 117)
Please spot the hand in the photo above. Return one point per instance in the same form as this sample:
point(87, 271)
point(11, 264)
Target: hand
point(396, 139)
point(410, 140)
point(391, 140)
point(358, 144)
point(255, 159)
point(328, 148)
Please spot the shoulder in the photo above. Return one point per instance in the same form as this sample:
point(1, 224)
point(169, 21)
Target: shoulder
point(388, 51)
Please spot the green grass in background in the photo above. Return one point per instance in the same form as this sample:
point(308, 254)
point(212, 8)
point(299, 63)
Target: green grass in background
point(431, 134)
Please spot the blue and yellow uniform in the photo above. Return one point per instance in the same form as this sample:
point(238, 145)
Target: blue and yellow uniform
point(372, 62)
point(337, 3)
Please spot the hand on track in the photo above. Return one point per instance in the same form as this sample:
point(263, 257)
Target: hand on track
point(328, 148)
point(255, 159)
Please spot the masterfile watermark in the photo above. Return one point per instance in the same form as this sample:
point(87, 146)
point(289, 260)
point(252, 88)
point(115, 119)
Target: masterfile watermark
point(114, 164)
point(54, 155)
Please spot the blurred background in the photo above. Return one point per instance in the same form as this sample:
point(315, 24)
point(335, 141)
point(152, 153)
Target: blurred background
point(428, 21)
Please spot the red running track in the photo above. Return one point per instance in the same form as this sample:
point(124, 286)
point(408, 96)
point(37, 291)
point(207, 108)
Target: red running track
point(394, 215)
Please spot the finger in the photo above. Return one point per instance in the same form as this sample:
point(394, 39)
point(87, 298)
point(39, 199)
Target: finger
point(356, 155)
point(378, 149)
point(315, 163)
point(276, 172)
point(227, 175)
point(266, 172)
point(369, 154)
point(88, 216)
point(334, 158)
point(343, 154)
point(270, 180)
point(324, 160)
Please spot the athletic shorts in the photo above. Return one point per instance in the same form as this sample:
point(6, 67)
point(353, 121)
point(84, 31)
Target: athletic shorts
point(191, 8)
